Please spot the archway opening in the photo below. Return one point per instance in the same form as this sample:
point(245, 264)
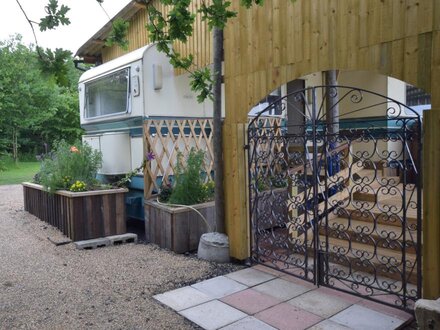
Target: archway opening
point(335, 198)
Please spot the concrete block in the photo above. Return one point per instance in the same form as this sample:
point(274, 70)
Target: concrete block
point(92, 243)
point(428, 313)
point(124, 238)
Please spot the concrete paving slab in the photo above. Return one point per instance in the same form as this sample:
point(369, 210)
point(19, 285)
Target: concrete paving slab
point(92, 243)
point(319, 303)
point(250, 276)
point(249, 323)
point(269, 270)
point(250, 301)
point(219, 287)
point(213, 314)
point(288, 317)
point(388, 310)
point(361, 318)
point(182, 298)
point(124, 238)
point(342, 295)
point(281, 289)
point(328, 325)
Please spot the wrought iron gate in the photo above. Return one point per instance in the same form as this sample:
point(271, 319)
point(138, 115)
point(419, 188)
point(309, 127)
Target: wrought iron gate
point(338, 202)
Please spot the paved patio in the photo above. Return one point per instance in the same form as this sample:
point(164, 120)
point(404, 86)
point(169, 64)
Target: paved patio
point(261, 298)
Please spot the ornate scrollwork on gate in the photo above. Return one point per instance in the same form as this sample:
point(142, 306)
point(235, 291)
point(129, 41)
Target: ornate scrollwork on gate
point(335, 198)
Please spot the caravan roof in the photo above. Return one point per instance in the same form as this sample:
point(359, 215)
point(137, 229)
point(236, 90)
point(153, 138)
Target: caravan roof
point(115, 64)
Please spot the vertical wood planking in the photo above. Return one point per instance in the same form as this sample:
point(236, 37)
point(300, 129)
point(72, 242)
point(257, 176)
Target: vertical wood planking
point(277, 32)
point(424, 57)
point(323, 34)
point(431, 206)
point(386, 20)
point(363, 23)
point(306, 30)
point(79, 217)
point(411, 17)
point(435, 70)
point(373, 21)
point(398, 19)
point(333, 32)
point(235, 182)
point(314, 37)
point(410, 60)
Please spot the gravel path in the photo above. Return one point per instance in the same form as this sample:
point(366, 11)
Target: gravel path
point(43, 286)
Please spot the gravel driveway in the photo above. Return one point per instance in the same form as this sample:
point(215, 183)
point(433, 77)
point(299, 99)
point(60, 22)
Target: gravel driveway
point(43, 286)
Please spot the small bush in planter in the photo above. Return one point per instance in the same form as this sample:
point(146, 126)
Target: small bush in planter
point(71, 167)
point(189, 188)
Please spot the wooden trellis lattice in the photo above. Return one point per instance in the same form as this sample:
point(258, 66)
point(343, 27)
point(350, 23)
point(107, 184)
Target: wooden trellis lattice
point(165, 138)
point(185, 134)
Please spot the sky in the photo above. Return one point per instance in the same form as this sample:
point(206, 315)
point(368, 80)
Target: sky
point(86, 17)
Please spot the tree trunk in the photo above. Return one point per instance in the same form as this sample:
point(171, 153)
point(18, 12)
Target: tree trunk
point(15, 144)
point(217, 130)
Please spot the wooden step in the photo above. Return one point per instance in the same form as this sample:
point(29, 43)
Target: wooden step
point(371, 213)
point(352, 257)
point(371, 191)
point(370, 234)
point(362, 255)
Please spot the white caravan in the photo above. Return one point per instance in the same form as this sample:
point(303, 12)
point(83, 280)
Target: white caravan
point(117, 96)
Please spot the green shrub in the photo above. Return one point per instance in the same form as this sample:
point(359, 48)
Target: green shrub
point(189, 188)
point(69, 164)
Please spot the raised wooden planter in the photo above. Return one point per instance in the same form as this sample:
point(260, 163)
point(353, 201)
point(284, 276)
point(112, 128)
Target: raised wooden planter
point(79, 215)
point(177, 228)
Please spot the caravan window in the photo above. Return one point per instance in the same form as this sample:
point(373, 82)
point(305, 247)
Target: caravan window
point(108, 95)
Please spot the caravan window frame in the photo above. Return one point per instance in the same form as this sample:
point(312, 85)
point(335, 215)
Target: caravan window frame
point(101, 78)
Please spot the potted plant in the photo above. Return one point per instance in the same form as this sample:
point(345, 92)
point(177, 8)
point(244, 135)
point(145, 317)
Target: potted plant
point(66, 194)
point(177, 217)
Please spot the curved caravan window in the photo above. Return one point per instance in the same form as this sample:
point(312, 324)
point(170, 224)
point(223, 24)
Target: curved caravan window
point(108, 95)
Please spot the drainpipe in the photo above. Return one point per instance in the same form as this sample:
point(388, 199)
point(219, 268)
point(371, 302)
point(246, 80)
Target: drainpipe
point(77, 66)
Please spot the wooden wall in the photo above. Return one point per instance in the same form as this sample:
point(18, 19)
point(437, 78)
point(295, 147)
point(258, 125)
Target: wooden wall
point(200, 44)
point(283, 40)
point(268, 46)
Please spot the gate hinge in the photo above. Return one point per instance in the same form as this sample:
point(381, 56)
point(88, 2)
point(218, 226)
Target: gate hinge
point(246, 147)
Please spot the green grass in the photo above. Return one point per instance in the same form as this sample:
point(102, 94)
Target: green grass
point(19, 173)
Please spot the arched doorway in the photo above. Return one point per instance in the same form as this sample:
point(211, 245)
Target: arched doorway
point(336, 200)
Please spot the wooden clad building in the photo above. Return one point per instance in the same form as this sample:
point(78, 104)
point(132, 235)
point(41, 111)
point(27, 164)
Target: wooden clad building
point(283, 40)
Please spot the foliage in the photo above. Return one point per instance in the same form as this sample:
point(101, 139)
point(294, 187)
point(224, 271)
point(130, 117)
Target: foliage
point(68, 164)
point(189, 188)
point(217, 14)
point(57, 63)
point(37, 104)
point(118, 34)
point(249, 3)
point(55, 16)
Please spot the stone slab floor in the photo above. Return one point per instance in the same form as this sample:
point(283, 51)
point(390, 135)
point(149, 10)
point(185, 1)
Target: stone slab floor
point(260, 298)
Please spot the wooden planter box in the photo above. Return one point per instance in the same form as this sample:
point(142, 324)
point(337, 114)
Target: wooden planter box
point(79, 215)
point(177, 228)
